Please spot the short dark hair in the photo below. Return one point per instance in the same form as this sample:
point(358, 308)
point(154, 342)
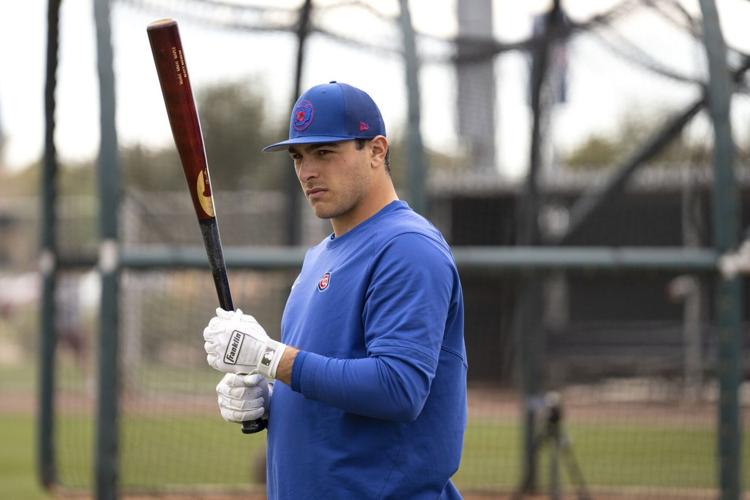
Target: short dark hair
point(360, 143)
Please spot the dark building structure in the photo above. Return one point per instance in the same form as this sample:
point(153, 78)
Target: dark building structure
point(595, 324)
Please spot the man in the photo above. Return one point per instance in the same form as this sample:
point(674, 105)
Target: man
point(372, 364)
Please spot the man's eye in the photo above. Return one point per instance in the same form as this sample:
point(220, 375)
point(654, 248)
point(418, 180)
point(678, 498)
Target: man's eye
point(323, 152)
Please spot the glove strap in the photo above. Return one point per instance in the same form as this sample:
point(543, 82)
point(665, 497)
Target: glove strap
point(270, 357)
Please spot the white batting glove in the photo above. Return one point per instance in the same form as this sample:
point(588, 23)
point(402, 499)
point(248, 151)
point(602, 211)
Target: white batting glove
point(243, 398)
point(236, 343)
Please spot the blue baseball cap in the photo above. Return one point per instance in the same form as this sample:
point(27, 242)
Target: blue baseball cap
point(332, 112)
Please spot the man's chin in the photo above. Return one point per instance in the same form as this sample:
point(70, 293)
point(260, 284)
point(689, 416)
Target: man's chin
point(327, 210)
point(322, 212)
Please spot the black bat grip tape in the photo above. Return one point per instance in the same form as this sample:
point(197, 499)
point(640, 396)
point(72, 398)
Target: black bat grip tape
point(253, 426)
point(212, 241)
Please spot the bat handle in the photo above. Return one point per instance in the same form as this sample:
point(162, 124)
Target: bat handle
point(212, 240)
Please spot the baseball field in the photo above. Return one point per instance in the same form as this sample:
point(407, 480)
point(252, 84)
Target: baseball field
point(623, 450)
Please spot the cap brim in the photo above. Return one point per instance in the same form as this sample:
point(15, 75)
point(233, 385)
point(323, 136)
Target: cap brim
point(310, 139)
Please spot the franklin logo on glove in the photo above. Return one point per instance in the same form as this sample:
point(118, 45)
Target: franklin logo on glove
point(235, 344)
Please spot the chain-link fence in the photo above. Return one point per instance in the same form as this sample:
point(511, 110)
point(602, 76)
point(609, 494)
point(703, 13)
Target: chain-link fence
point(624, 364)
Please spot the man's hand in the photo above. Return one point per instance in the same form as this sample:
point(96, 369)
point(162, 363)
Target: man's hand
point(243, 397)
point(236, 343)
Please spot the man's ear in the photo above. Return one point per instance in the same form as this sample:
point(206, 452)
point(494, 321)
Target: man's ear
point(378, 147)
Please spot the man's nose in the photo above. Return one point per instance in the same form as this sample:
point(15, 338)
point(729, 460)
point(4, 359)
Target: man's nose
point(306, 170)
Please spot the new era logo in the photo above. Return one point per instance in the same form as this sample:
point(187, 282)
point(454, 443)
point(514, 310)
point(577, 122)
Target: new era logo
point(234, 347)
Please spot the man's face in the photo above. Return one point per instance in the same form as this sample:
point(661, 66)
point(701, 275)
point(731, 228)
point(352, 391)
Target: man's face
point(335, 177)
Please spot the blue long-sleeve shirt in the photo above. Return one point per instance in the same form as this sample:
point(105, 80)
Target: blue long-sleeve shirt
point(377, 404)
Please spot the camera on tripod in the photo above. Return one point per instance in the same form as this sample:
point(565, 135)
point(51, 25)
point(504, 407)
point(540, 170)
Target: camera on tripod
point(553, 409)
point(553, 435)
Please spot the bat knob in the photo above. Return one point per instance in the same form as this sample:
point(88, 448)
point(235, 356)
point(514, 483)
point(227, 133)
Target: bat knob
point(253, 426)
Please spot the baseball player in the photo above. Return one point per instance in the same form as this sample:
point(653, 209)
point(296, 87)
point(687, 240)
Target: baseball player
point(365, 395)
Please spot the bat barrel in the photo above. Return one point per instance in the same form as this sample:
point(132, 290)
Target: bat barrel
point(169, 58)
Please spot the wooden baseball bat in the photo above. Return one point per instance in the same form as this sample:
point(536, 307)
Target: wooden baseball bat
point(169, 58)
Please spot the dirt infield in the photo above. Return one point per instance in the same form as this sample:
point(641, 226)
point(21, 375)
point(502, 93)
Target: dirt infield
point(630, 401)
point(584, 405)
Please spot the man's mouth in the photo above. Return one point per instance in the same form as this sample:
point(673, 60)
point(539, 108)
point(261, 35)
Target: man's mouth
point(314, 192)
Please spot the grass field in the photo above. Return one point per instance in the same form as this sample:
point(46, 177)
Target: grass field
point(157, 454)
point(610, 455)
point(182, 441)
point(17, 478)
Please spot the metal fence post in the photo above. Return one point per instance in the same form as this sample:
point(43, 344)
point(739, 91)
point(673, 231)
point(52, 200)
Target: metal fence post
point(107, 451)
point(291, 184)
point(728, 291)
point(414, 148)
point(48, 265)
point(529, 334)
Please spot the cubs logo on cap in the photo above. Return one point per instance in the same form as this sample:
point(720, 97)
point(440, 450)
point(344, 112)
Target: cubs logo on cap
point(324, 282)
point(302, 115)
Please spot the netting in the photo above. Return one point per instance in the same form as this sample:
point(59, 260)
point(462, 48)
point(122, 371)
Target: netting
point(76, 378)
point(639, 421)
point(639, 414)
point(169, 420)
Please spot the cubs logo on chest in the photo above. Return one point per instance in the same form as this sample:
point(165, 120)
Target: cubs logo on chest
point(324, 283)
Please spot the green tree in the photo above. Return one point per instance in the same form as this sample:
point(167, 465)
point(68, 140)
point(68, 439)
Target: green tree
point(151, 169)
point(608, 150)
point(234, 130)
point(21, 182)
point(453, 164)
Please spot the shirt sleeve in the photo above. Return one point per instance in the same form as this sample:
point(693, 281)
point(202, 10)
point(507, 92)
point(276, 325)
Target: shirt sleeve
point(406, 306)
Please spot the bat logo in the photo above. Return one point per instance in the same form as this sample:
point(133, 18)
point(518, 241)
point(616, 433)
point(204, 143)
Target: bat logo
point(234, 347)
point(324, 282)
point(203, 190)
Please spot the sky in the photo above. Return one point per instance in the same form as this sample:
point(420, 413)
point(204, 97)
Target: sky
point(601, 87)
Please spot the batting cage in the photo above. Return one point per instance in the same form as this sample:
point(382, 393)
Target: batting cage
point(603, 272)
